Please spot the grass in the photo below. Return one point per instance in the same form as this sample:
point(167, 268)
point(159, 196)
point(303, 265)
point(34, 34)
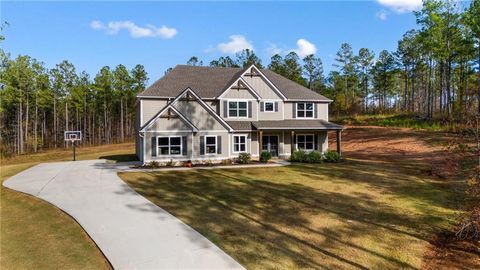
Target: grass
point(36, 235)
point(358, 214)
point(399, 120)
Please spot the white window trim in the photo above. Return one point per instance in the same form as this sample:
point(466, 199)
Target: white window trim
point(205, 145)
point(233, 144)
point(313, 141)
point(305, 110)
point(238, 108)
point(265, 106)
point(169, 146)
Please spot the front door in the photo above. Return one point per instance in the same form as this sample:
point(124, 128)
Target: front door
point(270, 144)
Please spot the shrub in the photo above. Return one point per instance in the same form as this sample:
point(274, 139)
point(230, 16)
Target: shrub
point(227, 162)
point(244, 158)
point(153, 164)
point(314, 157)
point(170, 163)
point(265, 156)
point(331, 156)
point(187, 164)
point(207, 163)
point(298, 156)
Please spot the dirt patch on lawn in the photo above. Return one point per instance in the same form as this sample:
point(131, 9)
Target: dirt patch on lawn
point(422, 150)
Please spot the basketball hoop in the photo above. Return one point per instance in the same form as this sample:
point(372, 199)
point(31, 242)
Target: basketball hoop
point(73, 136)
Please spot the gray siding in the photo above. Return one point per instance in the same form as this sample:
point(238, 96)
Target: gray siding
point(238, 94)
point(272, 115)
point(261, 87)
point(198, 115)
point(172, 124)
point(150, 108)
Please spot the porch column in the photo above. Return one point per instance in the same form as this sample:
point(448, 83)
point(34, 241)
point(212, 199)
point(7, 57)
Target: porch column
point(339, 141)
point(292, 141)
point(260, 142)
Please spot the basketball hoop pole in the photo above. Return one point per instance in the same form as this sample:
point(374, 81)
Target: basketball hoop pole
point(74, 157)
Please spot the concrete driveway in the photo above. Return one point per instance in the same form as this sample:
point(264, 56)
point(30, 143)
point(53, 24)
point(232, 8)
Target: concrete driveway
point(132, 232)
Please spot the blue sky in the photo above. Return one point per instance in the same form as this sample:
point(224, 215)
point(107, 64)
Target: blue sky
point(159, 35)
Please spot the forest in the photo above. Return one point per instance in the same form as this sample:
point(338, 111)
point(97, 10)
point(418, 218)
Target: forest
point(433, 73)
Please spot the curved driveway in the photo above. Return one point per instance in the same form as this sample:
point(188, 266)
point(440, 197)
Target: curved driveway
point(132, 232)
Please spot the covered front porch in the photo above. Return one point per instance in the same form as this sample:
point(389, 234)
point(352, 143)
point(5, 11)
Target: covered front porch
point(282, 138)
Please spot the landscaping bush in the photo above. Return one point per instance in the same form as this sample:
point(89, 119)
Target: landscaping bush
point(207, 163)
point(153, 164)
point(298, 156)
point(171, 163)
point(227, 162)
point(314, 157)
point(244, 158)
point(265, 156)
point(331, 156)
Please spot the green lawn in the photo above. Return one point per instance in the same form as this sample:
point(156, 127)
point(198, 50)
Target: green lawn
point(355, 214)
point(36, 235)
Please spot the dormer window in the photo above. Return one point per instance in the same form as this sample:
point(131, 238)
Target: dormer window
point(305, 110)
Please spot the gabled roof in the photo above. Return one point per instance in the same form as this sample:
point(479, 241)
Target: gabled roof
point(189, 93)
point(210, 82)
point(162, 111)
point(239, 81)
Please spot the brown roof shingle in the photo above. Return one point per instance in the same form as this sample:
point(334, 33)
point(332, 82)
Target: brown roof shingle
point(210, 82)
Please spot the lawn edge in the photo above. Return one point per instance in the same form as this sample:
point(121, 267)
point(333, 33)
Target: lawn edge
point(56, 207)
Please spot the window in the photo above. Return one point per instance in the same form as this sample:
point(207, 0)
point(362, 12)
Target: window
point(305, 110)
point(170, 146)
point(237, 109)
point(305, 142)
point(269, 106)
point(239, 144)
point(210, 145)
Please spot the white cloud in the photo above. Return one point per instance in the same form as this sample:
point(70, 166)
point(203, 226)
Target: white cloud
point(149, 31)
point(97, 25)
point(236, 44)
point(273, 49)
point(382, 15)
point(401, 6)
point(304, 48)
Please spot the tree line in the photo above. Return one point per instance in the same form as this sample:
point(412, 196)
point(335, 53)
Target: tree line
point(433, 72)
point(39, 104)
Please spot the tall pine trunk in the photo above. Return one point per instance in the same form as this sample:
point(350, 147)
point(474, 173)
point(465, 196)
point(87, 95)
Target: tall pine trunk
point(122, 134)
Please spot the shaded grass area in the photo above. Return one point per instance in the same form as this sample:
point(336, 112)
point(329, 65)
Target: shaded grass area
point(36, 235)
point(352, 215)
point(400, 120)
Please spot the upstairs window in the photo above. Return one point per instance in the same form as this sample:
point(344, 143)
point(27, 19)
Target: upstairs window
point(269, 106)
point(237, 109)
point(305, 110)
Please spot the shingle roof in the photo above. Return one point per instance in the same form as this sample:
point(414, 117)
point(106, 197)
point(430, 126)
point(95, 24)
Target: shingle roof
point(288, 124)
point(293, 124)
point(210, 82)
point(240, 125)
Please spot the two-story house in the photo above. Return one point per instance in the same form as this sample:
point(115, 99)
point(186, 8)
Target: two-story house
point(198, 113)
